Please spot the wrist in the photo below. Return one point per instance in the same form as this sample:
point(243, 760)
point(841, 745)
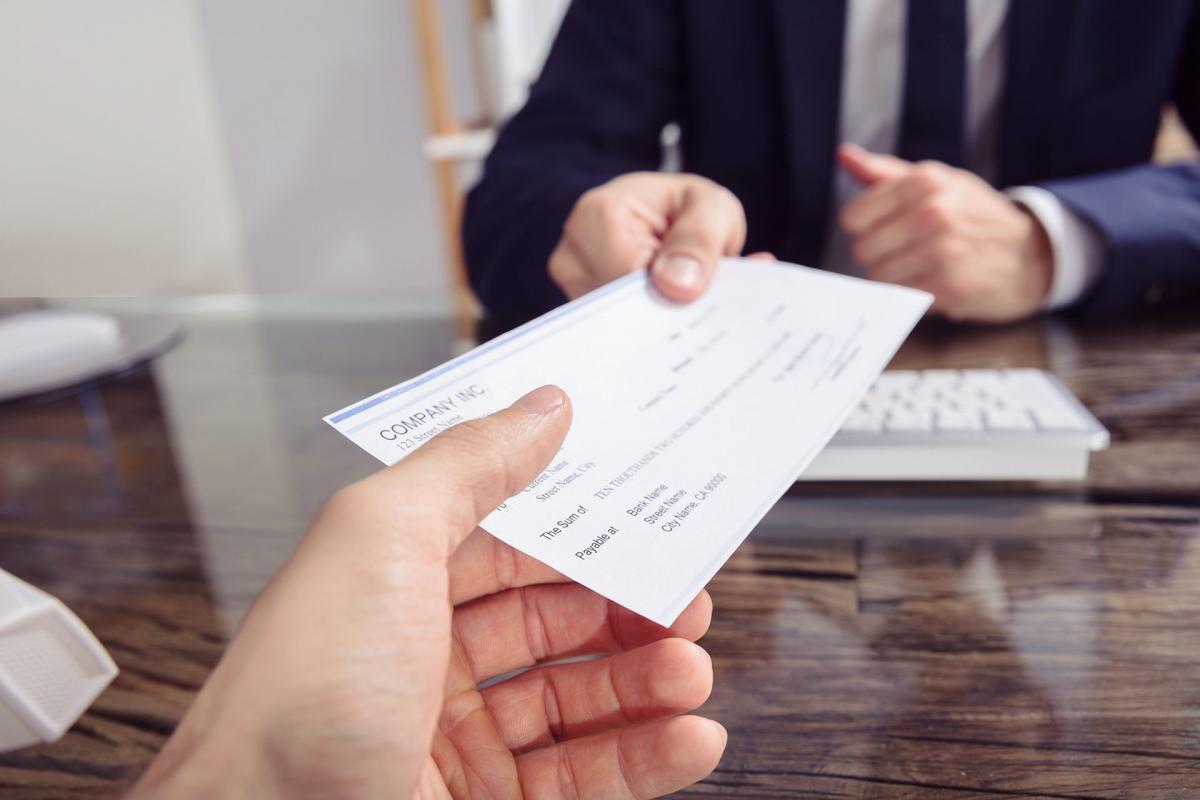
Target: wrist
point(198, 763)
point(1036, 254)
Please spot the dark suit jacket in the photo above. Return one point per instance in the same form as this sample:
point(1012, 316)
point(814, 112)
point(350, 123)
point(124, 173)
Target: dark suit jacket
point(754, 86)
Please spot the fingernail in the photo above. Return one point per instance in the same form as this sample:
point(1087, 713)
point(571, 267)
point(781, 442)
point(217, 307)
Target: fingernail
point(541, 401)
point(721, 730)
point(683, 272)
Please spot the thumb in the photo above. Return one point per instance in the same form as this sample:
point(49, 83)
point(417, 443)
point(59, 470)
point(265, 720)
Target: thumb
point(867, 167)
point(709, 223)
point(461, 475)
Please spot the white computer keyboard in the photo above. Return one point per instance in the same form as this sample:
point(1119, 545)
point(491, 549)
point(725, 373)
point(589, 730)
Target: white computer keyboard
point(1013, 424)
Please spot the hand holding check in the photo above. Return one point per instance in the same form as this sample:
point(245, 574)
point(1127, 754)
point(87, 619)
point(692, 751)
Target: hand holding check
point(691, 420)
point(678, 226)
point(356, 672)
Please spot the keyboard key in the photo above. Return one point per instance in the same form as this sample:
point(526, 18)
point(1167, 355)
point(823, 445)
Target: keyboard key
point(863, 422)
point(1053, 420)
point(958, 421)
point(1030, 389)
point(926, 395)
point(909, 421)
point(975, 409)
point(895, 380)
point(960, 400)
point(941, 378)
point(1046, 399)
point(981, 379)
point(998, 420)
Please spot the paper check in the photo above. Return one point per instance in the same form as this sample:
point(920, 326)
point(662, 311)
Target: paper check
point(690, 421)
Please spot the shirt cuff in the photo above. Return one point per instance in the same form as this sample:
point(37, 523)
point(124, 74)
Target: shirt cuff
point(1077, 249)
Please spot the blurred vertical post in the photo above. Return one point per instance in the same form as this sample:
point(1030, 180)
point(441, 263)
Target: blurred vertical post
point(442, 122)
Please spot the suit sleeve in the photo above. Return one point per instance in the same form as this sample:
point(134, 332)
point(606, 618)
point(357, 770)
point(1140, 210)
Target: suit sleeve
point(1147, 216)
point(610, 84)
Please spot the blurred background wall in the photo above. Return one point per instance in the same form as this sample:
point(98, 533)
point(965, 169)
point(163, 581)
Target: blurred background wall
point(215, 146)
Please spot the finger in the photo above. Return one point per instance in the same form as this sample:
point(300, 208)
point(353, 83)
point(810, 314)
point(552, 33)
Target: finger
point(709, 223)
point(651, 216)
point(892, 237)
point(604, 238)
point(566, 701)
point(430, 501)
point(762, 256)
point(617, 256)
point(523, 627)
point(577, 272)
point(869, 168)
point(952, 299)
point(648, 760)
point(569, 272)
point(945, 304)
point(484, 565)
point(889, 198)
point(918, 263)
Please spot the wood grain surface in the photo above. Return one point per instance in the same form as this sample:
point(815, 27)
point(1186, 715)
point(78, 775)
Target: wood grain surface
point(870, 641)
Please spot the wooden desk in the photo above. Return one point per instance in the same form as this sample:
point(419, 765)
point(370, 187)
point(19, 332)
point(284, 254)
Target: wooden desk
point(990, 641)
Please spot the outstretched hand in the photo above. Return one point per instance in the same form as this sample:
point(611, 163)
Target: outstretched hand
point(677, 226)
point(357, 671)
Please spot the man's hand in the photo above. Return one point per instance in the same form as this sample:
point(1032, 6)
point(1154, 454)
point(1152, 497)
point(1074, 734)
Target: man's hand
point(945, 230)
point(356, 672)
point(677, 225)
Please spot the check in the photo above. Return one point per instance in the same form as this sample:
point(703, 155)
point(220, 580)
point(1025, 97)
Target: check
point(690, 420)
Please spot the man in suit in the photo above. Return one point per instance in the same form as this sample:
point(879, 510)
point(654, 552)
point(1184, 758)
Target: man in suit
point(992, 152)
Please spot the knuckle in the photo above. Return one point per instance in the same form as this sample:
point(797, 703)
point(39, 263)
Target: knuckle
point(694, 182)
point(597, 209)
point(927, 175)
point(558, 264)
point(589, 200)
point(937, 213)
point(580, 213)
point(719, 215)
point(730, 199)
point(708, 189)
point(563, 269)
point(601, 203)
point(929, 167)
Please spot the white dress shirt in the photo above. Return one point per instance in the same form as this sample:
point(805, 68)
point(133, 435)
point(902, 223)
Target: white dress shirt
point(872, 92)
